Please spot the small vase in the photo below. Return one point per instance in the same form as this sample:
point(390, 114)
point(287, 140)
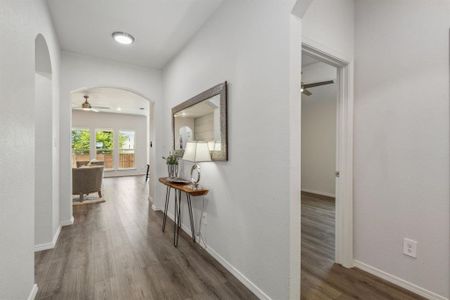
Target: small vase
point(172, 170)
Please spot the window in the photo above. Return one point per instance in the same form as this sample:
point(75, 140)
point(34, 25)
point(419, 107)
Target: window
point(104, 146)
point(81, 139)
point(126, 149)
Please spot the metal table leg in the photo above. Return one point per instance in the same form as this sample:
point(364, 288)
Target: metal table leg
point(166, 207)
point(179, 217)
point(175, 221)
point(191, 216)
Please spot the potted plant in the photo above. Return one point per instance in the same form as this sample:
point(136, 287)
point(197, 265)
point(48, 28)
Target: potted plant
point(172, 164)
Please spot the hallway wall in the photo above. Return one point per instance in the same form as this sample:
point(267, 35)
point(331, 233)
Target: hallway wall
point(329, 24)
point(402, 138)
point(247, 44)
point(20, 23)
point(44, 200)
point(401, 135)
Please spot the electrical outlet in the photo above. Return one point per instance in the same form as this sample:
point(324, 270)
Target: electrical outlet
point(204, 219)
point(410, 247)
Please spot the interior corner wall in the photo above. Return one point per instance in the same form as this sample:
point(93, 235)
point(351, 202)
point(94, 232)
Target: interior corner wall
point(402, 138)
point(247, 44)
point(20, 23)
point(78, 72)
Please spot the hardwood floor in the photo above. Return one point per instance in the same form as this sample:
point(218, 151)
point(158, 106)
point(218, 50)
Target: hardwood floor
point(116, 250)
point(321, 278)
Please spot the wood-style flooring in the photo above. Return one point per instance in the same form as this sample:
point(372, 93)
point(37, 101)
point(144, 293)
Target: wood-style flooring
point(116, 250)
point(321, 278)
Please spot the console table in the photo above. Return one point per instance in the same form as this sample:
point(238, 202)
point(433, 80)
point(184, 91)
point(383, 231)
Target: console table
point(189, 191)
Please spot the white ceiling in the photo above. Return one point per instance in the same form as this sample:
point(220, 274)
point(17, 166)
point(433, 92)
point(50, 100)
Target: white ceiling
point(308, 60)
point(161, 27)
point(118, 101)
point(314, 70)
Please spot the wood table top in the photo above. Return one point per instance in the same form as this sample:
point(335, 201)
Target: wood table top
point(187, 188)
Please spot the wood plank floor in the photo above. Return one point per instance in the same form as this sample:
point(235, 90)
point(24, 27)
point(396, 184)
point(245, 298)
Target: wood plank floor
point(321, 278)
point(116, 250)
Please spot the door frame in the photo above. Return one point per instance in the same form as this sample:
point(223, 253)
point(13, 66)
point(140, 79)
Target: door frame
point(344, 154)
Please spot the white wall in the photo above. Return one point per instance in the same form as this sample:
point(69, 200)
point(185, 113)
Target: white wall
point(20, 22)
point(400, 165)
point(247, 44)
point(319, 132)
point(43, 160)
point(329, 25)
point(116, 122)
point(78, 72)
point(402, 138)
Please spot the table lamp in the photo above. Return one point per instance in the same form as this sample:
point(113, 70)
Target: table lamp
point(196, 152)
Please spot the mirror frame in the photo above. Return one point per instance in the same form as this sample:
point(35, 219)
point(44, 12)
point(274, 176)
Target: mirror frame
point(220, 89)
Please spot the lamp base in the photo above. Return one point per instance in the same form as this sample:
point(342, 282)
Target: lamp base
point(195, 180)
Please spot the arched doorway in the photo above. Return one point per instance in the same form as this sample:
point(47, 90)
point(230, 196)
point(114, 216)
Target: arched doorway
point(114, 110)
point(45, 221)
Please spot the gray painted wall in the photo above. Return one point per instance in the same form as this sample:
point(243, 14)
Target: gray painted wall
point(402, 138)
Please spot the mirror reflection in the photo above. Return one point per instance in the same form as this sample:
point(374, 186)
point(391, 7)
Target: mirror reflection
point(199, 122)
point(203, 118)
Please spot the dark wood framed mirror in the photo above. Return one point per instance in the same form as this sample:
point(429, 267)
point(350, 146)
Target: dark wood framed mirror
point(203, 118)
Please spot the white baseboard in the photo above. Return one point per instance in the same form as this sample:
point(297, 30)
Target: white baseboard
point(226, 264)
point(398, 281)
point(33, 292)
point(236, 273)
point(319, 193)
point(52, 244)
point(49, 245)
point(67, 222)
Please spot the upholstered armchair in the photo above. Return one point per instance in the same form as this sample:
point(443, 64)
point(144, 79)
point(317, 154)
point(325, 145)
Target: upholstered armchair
point(81, 163)
point(86, 180)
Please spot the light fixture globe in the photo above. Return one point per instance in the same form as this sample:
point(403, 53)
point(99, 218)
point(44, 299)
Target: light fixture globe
point(123, 38)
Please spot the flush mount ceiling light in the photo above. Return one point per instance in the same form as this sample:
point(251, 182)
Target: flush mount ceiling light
point(123, 38)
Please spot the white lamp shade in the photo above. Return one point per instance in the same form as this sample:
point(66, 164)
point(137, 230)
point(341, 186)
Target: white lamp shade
point(197, 152)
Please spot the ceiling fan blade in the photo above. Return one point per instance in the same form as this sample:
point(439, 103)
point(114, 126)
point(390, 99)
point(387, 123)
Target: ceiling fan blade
point(94, 110)
point(306, 92)
point(314, 84)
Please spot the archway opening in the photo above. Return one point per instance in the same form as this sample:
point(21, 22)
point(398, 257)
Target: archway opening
point(45, 202)
point(115, 128)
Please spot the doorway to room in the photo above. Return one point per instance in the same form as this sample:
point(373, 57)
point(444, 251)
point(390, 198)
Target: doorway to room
point(326, 173)
point(319, 90)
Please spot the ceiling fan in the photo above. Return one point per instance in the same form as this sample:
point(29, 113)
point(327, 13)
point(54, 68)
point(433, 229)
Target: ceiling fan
point(306, 86)
point(87, 106)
